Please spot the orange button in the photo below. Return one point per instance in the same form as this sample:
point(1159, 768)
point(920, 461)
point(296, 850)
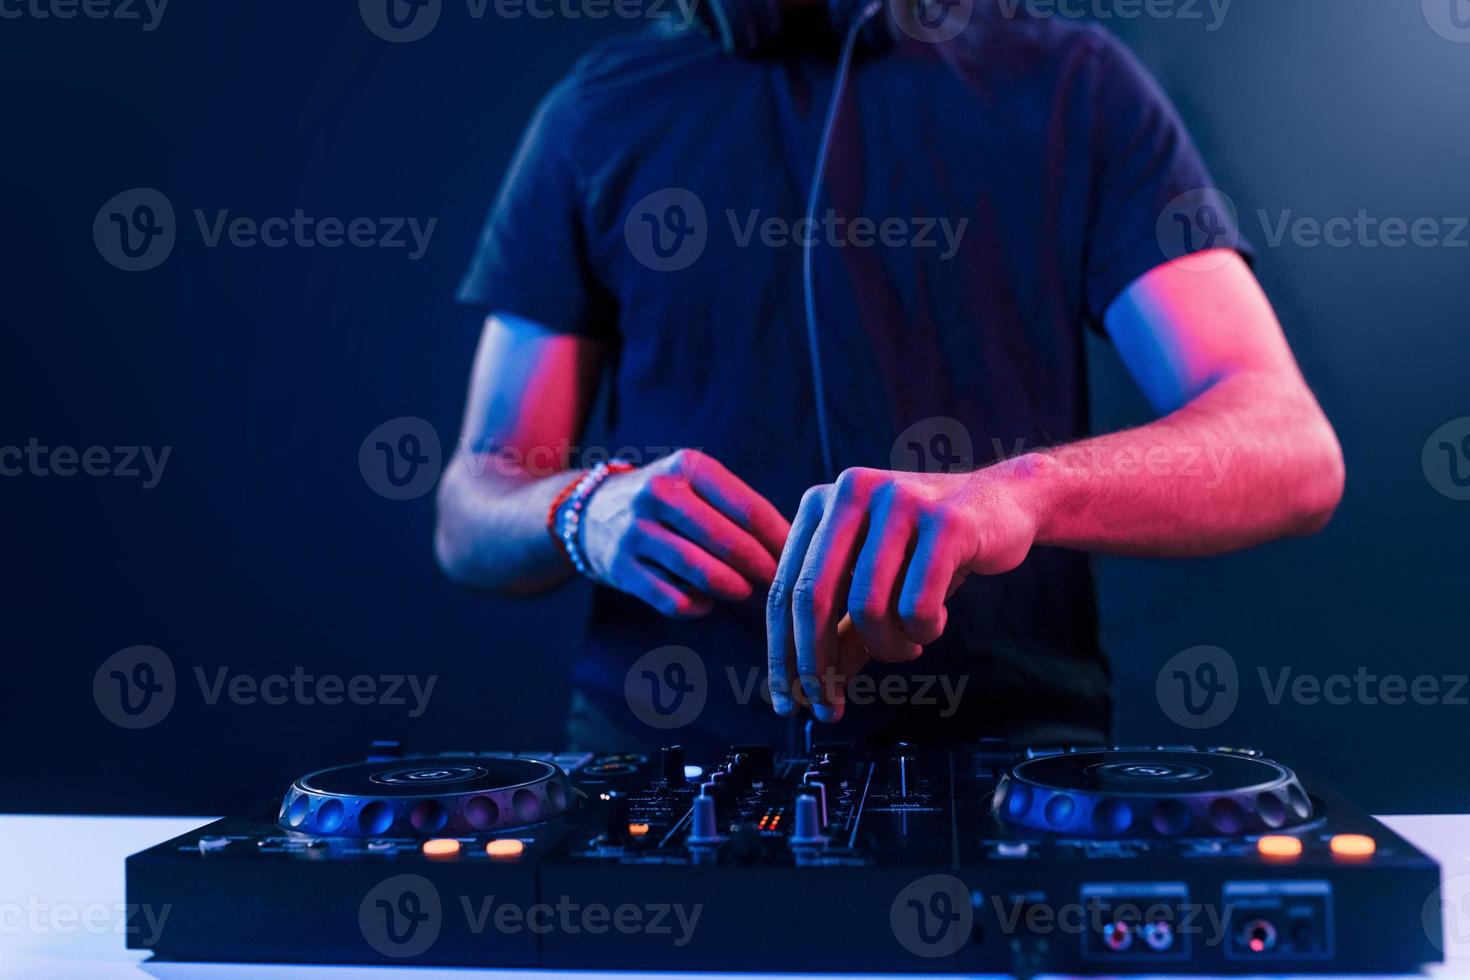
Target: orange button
point(637, 829)
point(1279, 846)
point(441, 847)
point(1353, 845)
point(505, 848)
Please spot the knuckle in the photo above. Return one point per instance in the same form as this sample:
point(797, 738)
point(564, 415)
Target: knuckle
point(815, 497)
point(866, 612)
point(914, 612)
point(854, 481)
point(934, 519)
point(686, 461)
point(696, 576)
point(776, 599)
point(806, 598)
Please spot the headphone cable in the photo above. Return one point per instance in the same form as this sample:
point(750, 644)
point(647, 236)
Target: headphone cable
point(849, 45)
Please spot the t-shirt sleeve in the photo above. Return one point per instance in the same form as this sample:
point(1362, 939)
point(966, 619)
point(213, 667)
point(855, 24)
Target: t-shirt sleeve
point(532, 258)
point(1152, 199)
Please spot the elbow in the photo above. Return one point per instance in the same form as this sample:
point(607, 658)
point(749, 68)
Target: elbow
point(1322, 477)
point(452, 548)
point(449, 550)
point(449, 555)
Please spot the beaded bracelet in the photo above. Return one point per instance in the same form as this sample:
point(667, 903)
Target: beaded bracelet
point(564, 518)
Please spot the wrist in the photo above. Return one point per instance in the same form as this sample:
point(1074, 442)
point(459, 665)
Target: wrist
point(1036, 486)
point(568, 517)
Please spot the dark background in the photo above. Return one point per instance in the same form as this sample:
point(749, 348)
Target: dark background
point(263, 547)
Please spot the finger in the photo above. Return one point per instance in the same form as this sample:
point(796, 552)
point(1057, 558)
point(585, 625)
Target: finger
point(872, 599)
point(932, 570)
point(849, 659)
point(819, 598)
point(691, 563)
point(663, 592)
point(676, 505)
point(780, 642)
point(735, 499)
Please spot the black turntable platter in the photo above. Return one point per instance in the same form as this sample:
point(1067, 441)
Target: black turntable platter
point(1151, 792)
point(434, 795)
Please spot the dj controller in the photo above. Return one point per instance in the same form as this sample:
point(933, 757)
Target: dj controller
point(1162, 859)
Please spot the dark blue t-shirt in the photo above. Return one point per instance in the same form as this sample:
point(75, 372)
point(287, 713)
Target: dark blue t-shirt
point(1014, 181)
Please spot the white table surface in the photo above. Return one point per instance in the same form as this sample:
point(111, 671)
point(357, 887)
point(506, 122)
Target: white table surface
point(61, 899)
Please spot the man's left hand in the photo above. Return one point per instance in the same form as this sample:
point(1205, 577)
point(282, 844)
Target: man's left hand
point(870, 562)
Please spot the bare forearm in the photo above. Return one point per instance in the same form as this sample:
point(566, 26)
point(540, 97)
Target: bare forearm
point(1250, 460)
point(491, 534)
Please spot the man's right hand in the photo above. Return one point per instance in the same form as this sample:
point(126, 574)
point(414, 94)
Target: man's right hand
point(682, 532)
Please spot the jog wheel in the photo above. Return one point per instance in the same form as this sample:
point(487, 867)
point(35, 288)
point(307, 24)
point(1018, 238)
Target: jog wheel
point(1151, 793)
point(451, 795)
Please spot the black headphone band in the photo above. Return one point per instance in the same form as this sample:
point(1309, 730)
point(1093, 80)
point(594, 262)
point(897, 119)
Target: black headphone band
point(752, 27)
